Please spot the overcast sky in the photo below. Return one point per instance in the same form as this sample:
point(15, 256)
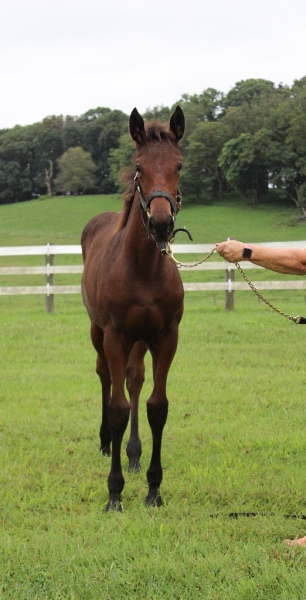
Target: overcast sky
point(67, 56)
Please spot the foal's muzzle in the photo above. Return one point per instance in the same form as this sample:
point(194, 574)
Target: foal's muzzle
point(161, 227)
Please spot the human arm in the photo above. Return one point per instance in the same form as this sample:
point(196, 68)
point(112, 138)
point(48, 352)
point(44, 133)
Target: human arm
point(282, 260)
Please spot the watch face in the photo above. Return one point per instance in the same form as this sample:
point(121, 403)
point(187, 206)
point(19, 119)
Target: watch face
point(247, 252)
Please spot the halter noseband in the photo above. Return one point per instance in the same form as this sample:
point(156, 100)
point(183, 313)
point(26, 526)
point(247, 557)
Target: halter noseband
point(145, 204)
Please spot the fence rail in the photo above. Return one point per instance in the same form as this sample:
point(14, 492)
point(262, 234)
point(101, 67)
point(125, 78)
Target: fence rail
point(49, 290)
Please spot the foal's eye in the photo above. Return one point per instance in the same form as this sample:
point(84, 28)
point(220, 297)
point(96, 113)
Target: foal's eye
point(179, 168)
point(137, 169)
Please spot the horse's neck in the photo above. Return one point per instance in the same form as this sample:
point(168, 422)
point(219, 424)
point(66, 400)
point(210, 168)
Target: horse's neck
point(138, 247)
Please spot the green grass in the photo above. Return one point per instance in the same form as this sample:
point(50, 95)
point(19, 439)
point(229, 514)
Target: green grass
point(60, 220)
point(234, 442)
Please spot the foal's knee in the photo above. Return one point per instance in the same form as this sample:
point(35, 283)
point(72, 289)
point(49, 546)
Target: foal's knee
point(118, 416)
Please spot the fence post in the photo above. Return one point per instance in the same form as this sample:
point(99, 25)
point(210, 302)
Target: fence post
point(229, 294)
point(49, 303)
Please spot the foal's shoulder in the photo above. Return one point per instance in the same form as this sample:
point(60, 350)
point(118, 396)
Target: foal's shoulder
point(102, 223)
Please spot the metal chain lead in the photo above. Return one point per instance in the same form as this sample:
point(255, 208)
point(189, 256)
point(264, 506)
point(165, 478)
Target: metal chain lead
point(186, 265)
point(250, 284)
point(179, 264)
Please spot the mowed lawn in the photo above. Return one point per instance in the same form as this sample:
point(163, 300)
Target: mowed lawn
point(234, 442)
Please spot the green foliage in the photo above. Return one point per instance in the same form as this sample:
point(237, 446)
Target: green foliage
point(15, 182)
point(16, 156)
point(76, 171)
point(120, 159)
point(102, 129)
point(161, 113)
point(199, 108)
point(209, 103)
point(29, 155)
point(245, 164)
point(202, 176)
point(248, 91)
point(73, 132)
point(48, 147)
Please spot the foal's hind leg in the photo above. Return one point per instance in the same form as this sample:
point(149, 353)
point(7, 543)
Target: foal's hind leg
point(134, 381)
point(103, 372)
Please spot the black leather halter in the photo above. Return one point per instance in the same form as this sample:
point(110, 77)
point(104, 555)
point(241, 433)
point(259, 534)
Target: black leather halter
point(145, 204)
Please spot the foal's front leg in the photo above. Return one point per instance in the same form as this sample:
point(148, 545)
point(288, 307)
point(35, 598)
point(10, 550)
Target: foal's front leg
point(157, 410)
point(116, 353)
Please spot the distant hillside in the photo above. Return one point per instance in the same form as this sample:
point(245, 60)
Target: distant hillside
point(61, 220)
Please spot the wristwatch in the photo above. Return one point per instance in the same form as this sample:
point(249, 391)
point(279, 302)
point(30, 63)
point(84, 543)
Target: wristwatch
point(247, 252)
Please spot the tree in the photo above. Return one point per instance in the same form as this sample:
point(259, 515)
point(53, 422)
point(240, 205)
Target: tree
point(288, 160)
point(102, 129)
point(73, 132)
point(15, 183)
point(76, 171)
point(120, 159)
point(162, 113)
point(202, 175)
point(48, 147)
point(246, 165)
point(16, 158)
point(249, 91)
point(199, 108)
point(209, 103)
point(48, 177)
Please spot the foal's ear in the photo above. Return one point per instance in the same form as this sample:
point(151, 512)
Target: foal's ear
point(137, 128)
point(177, 123)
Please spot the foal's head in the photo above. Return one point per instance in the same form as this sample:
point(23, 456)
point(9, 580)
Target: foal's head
point(158, 163)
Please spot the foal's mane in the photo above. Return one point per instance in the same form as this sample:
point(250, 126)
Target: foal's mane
point(155, 132)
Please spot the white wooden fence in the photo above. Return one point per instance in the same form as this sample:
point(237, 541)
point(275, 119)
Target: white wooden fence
point(49, 289)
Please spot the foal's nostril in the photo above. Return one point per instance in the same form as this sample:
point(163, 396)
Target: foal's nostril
point(161, 228)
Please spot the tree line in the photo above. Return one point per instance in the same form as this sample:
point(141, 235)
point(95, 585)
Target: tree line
point(31, 156)
point(252, 140)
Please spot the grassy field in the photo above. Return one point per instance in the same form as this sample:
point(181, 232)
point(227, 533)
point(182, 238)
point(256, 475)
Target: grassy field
point(234, 440)
point(60, 220)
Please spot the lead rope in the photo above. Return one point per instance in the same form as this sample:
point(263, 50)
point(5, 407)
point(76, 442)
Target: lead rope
point(298, 320)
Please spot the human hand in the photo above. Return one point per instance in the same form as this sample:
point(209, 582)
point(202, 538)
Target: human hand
point(231, 250)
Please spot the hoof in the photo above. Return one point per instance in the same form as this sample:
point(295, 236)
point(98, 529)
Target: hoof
point(114, 505)
point(134, 465)
point(106, 451)
point(154, 499)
